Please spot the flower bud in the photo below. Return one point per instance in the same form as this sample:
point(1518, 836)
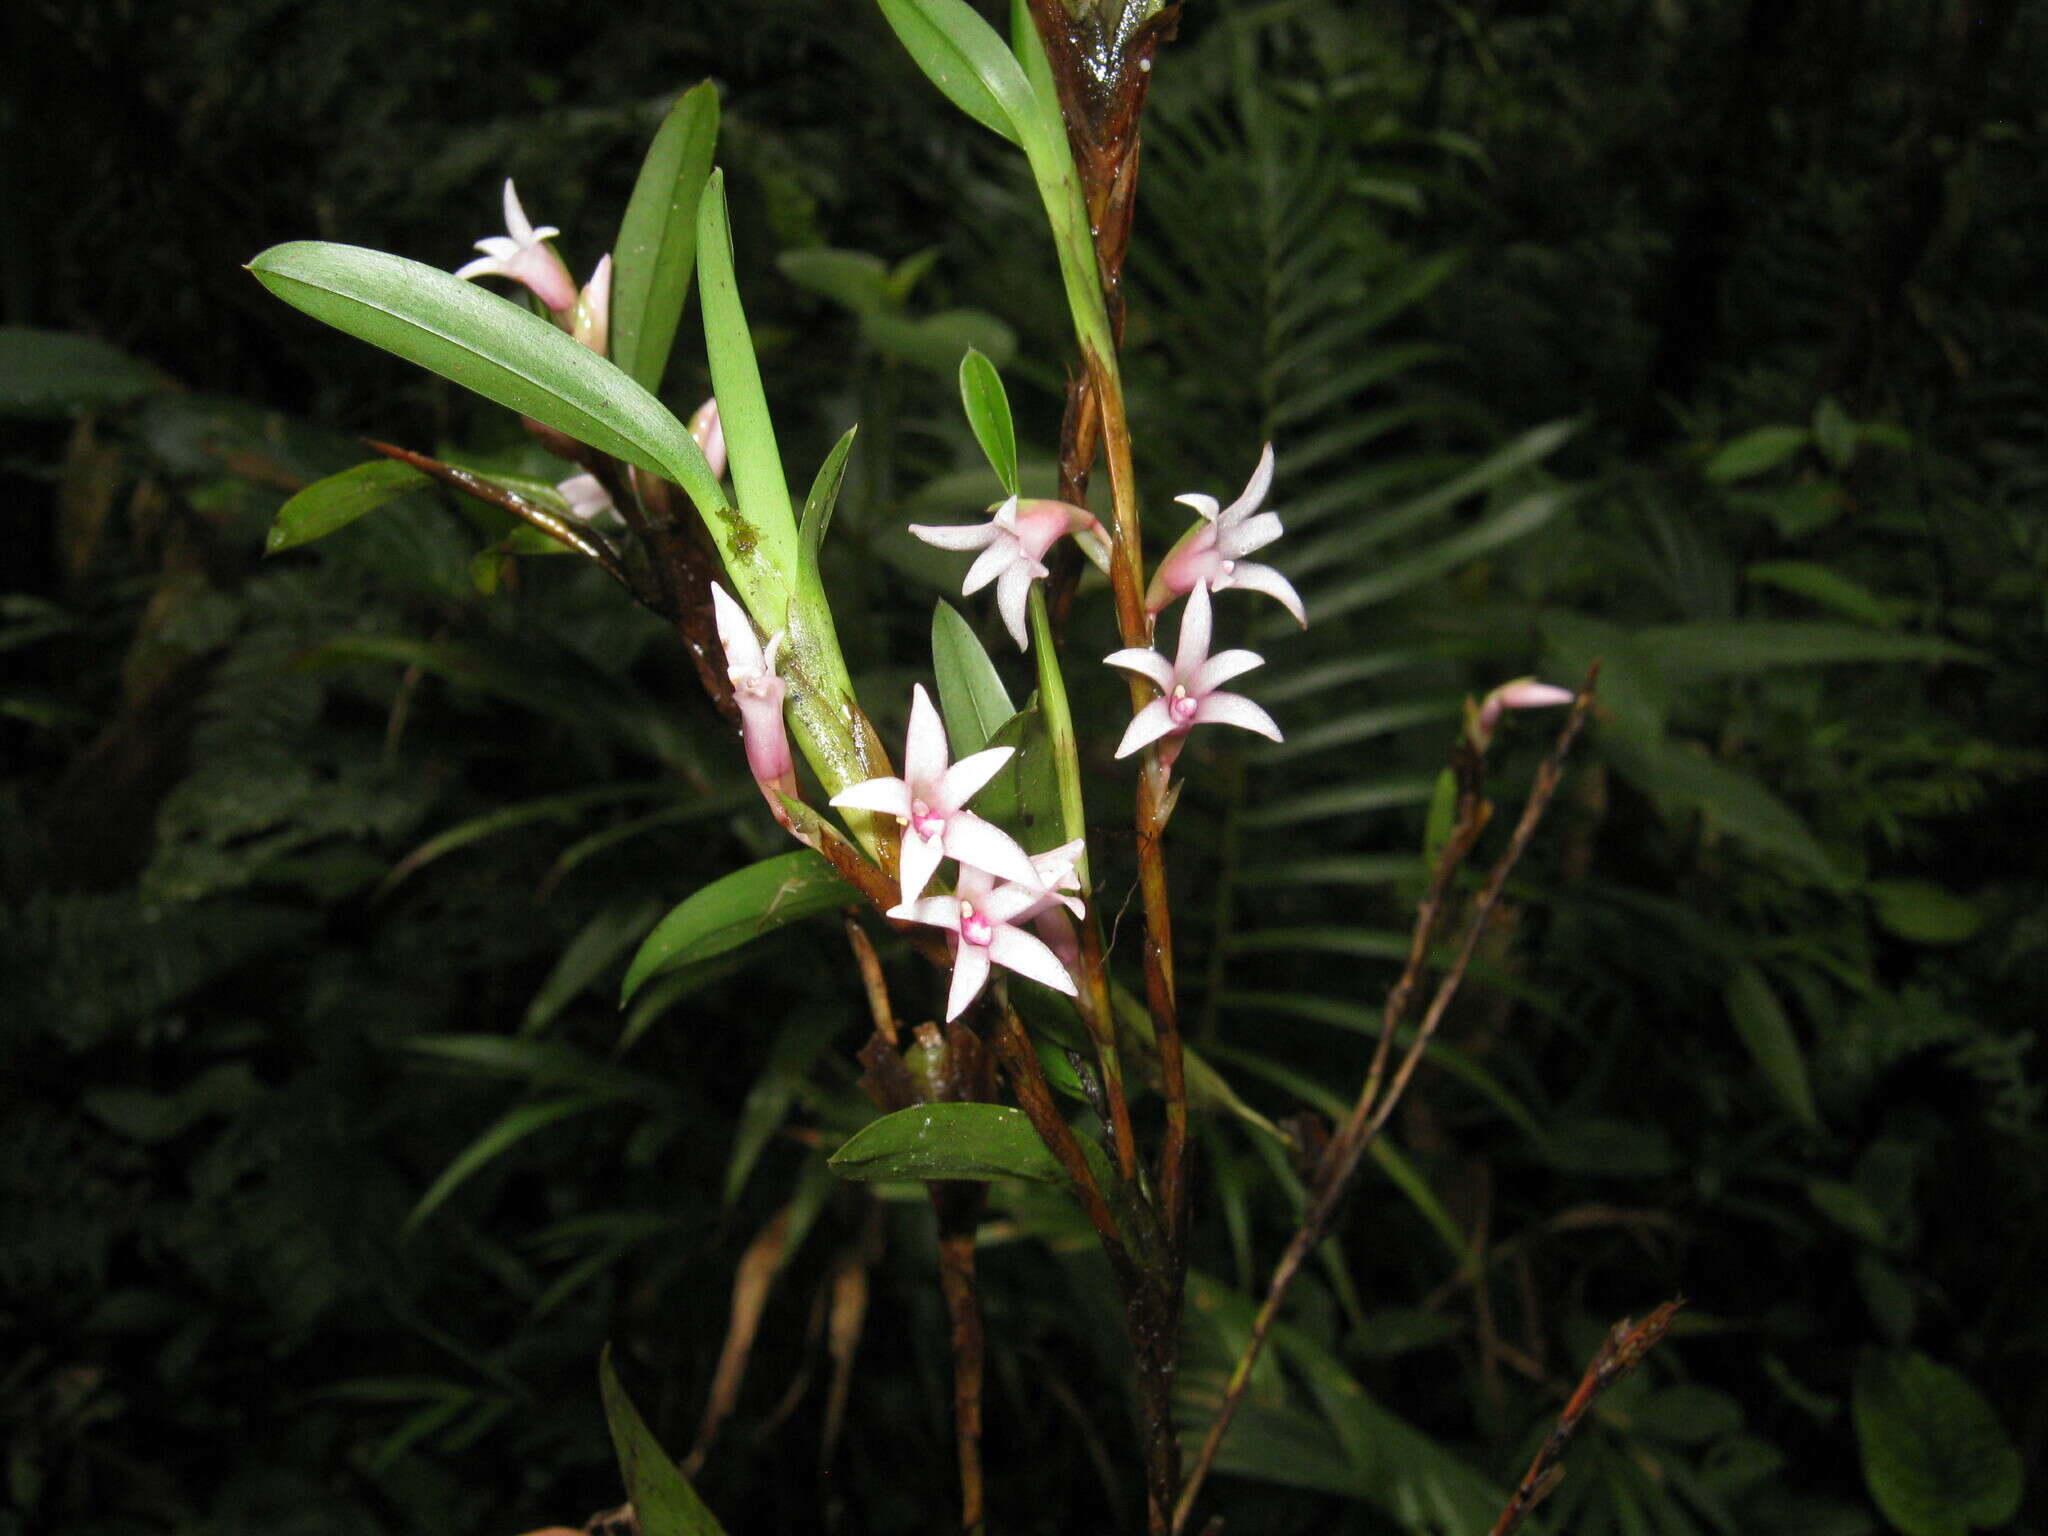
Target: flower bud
point(709, 432)
point(1482, 719)
point(592, 322)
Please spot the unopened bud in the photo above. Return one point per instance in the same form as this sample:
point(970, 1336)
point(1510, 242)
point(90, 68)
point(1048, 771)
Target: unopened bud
point(709, 432)
point(1523, 693)
point(592, 323)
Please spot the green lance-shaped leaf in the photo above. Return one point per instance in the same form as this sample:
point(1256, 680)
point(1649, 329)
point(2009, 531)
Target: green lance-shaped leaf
point(818, 508)
point(657, 245)
point(663, 1501)
point(1759, 1018)
point(1924, 913)
point(968, 61)
point(965, 58)
point(956, 1141)
point(971, 694)
point(337, 501)
point(1755, 452)
point(491, 346)
point(988, 413)
point(736, 908)
point(54, 373)
point(505, 1133)
point(766, 543)
point(761, 548)
point(1936, 1458)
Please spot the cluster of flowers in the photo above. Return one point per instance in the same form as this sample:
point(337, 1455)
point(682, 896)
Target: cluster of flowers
point(1008, 908)
point(999, 889)
point(523, 255)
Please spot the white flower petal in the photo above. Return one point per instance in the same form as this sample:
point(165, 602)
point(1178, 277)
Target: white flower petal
point(986, 846)
point(1255, 488)
point(1206, 505)
point(1236, 709)
point(990, 563)
point(925, 752)
point(1009, 902)
point(1013, 595)
point(970, 973)
point(1058, 868)
point(736, 633)
point(939, 911)
point(1251, 577)
point(957, 536)
point(916, 862)
point(1253, 533)
point(1147, 726)
point(1150, 665)
point(963, 781)
point(516, 222)
point(890, 797)
point(1220, 669)
point(1195, 624)
point(1016, 950)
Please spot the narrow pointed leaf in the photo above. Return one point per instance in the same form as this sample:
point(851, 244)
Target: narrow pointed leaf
point(818, 507)
point(663, 1501)
point(1759, 1019)
point(337, 501)
point(489, 345)
point(971, 694)
point(964, 57)
point(505, 1133)
point(741, 906)
point(1755, 452)
point(765, 544)
point(657, 246)
point(988, 413)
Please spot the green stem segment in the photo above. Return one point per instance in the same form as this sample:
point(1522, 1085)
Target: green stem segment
point(1095, 1007)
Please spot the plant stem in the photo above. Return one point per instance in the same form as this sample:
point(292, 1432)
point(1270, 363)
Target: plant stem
point(1370, 1112)
point(1095, 1007)
point(958, 1207)
point(1126, 573)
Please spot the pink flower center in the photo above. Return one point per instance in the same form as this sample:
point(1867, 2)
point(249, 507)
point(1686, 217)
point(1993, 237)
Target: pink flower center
point(1229, 567)
point(1182, 706)
point(926, 822)
point(974, 928)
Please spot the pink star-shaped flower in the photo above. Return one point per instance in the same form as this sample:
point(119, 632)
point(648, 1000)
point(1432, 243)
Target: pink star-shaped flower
point(1188, 694)
point(1013, 544)
point(927, 800)
point(523, 254)
point(983, 918)
point(1211, 554)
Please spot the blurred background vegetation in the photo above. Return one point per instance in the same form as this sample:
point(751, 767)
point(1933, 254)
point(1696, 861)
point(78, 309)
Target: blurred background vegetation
point(1704, 338)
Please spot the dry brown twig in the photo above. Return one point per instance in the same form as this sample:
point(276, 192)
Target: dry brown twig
point(1378, 1096)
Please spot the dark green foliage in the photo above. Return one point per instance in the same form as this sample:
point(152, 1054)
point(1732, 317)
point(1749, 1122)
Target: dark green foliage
point(1703, 340)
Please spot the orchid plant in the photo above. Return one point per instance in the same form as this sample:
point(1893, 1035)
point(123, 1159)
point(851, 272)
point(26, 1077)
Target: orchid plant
point(1014, 891)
